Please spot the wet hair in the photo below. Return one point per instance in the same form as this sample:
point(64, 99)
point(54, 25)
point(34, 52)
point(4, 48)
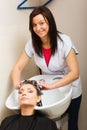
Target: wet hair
point(34, 83)
point(53, 32)
point(36, 86)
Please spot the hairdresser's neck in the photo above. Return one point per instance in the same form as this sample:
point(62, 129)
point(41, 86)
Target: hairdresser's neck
point(45, 42)
point(27, 111)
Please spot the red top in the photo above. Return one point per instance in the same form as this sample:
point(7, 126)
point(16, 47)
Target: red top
point(47, 55)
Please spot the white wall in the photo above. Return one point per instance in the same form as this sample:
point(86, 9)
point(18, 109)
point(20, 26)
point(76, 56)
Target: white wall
point(71, 19)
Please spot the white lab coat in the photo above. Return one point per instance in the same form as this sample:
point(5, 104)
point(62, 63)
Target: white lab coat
point(57, 64)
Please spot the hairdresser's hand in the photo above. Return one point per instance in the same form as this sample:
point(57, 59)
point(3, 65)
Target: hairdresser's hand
point(46, 86)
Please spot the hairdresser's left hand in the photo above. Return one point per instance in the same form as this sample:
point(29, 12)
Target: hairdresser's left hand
point(46, 86)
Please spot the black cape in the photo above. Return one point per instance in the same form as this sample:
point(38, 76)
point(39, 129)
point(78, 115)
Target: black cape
point(33, 122)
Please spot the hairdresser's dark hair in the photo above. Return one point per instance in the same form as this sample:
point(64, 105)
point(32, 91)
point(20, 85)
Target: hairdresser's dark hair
point(53, 32)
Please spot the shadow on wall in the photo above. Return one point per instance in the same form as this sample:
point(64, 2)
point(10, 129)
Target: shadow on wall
point(3, 110)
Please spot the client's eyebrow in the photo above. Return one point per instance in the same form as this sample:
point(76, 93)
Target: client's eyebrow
point(21, 90)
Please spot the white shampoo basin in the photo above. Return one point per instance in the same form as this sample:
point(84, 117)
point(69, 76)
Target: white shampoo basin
point(54, 102)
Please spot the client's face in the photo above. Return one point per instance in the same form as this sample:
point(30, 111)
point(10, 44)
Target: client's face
point(28, 95)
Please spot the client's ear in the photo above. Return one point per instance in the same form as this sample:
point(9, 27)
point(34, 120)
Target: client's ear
point(38, 98)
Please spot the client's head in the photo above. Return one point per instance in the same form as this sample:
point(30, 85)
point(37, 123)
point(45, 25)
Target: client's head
point(29, 93)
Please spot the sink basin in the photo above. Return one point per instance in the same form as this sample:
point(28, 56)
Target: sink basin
point(54, 102)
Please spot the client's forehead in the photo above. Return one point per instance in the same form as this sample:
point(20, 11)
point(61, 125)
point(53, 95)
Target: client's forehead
point(27, 87)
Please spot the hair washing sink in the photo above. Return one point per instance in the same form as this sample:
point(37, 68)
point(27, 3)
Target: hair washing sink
point(54, 102)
